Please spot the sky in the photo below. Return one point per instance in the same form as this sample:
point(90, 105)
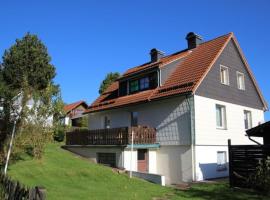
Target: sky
point(89, 38)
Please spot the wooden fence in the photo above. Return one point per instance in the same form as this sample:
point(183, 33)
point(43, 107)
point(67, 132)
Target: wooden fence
point(12, 190)
point(243, 161)
point(112, 136)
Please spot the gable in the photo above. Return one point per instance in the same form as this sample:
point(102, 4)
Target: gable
point(212, 88)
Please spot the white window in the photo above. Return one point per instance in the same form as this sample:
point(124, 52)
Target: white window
point(107, 122)
point(247, 119)
point(224, 75)
point(240, 80)
point(221, 160)
point(221, 117)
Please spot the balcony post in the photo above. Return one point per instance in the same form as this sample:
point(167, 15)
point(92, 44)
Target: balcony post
point(131, 150)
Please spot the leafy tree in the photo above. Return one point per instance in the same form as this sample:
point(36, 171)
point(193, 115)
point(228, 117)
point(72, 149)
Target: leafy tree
point(109, 79)
point(28, 74)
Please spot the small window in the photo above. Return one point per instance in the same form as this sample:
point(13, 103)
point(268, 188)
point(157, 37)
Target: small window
point(224, 75)
point(221, 160)
point(247, 119)
point(221, 117)
point(107, 159)
point(240, 81)
point(144, 83)
point(134, 86)
point(107, 122)
point(134, 118)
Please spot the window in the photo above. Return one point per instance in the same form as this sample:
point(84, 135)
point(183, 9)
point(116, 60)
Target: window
point(247, 119)
point(221, 117)
point(221, 160)
point(134, 118)
point(144, 83)
point(224, 75)
point(107, 159)
point(240, 81)
point(107, 122)
point(134, 86)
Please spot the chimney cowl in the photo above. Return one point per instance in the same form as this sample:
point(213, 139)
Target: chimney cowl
point(156, 54)
point(193, 40)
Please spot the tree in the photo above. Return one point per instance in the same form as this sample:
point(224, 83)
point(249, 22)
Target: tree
point(27, 70)
point(109, 79)
point(28, 74)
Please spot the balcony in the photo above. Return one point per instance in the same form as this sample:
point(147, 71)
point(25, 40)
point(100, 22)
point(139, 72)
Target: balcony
point(112, 136)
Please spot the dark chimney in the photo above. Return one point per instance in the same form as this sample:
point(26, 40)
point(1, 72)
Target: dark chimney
point(156, 55)
point(193, 40)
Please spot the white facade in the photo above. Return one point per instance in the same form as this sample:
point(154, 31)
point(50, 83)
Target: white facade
point(209, 139)
point(181, 156)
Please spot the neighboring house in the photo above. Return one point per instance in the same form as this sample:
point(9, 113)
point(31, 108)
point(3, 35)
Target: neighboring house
point(74, 113)
point(31, 106)
point(196, 99)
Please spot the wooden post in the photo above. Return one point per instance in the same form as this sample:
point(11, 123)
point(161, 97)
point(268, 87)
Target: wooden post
point(230, 164)
point(40, 193)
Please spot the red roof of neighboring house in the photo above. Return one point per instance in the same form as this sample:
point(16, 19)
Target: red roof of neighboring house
point(72, 106)
point(185, 79)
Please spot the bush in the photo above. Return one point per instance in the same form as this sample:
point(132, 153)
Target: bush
point(31, 140)
point(260, 180)
point(59, 133)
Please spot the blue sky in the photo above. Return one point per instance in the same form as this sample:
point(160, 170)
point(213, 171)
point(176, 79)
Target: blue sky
point(87, 39)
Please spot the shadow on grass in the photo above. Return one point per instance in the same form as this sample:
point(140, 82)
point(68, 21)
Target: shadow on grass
point(218, 191)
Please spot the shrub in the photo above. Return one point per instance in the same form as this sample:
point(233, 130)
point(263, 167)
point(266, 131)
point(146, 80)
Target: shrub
point(59, 133)
point(260, 179)
point(31, 140)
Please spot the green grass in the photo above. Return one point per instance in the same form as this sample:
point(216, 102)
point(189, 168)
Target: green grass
point(66, 176)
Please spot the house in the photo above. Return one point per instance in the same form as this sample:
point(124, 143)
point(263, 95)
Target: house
point(178, 110)
point(74, 113)
point(32, 107)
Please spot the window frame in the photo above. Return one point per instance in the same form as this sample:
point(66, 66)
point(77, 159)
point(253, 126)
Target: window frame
point(144, 83)
point(249, 123)
point(238, 74)
point(130, 86)
point(223, 117)
point(134, 118)
point(107, 122)
point(228, 75)
point(222, 166)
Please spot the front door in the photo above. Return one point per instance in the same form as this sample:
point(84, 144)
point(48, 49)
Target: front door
point(142, 160)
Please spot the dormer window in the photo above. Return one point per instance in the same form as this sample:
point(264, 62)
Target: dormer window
point(144, 83)
point(134, 86)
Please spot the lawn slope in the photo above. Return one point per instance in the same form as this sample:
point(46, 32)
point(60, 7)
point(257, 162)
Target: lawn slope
point(66, 176)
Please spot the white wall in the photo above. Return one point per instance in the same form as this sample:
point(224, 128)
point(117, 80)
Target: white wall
point(206, 132)
point(206, 162)
point(170, 117)
point(152, 161)
point(127, 159)
point(174, 162)
point(209, 140)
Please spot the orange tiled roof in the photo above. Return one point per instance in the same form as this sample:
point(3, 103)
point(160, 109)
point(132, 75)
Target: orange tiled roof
point(69, 107)
point(185, 79)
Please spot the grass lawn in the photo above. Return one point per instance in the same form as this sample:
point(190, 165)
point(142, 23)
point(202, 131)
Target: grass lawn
point(66, 176)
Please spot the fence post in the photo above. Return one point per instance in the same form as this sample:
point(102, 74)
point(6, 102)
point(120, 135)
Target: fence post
point(230, 163)
point(41, 193)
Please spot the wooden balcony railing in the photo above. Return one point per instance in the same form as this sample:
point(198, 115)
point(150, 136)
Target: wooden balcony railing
point(112, 136)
